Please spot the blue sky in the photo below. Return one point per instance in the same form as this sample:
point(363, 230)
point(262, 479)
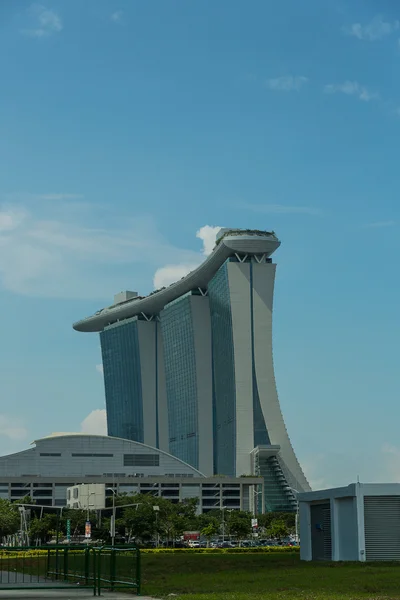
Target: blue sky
point(127, 126)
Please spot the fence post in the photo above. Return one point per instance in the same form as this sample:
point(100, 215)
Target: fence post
point(94, 552)
point(86, 565)
point(99, 572)
point(66, 572)
point(112, 568)
point(138, 571)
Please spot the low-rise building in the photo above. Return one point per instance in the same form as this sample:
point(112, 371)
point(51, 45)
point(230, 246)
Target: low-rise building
point(360, 522)
point(55, 463)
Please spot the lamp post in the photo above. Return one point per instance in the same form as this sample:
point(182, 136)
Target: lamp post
point(223, 523)
point(157, 510)
point(297, 513)
point(113, 517)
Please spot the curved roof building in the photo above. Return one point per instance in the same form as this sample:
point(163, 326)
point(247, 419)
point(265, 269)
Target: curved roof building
point(189, 368)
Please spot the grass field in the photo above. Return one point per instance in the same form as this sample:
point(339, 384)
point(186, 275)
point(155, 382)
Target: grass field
point(266, 576)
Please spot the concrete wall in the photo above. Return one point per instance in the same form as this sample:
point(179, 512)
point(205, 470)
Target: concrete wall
point(202, 341)
point(344, 529)
point(263, 293)
point(54, 456)
point(240, 293)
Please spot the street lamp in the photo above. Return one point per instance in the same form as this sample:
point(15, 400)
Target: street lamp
point(113, 517)
point(223, 520)
point(297, 513)
point(157, 510)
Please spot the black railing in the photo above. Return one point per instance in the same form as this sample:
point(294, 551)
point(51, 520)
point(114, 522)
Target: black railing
point(58, 567)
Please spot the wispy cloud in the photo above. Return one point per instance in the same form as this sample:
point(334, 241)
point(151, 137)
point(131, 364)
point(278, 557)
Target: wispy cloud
point(95, 423)
point(372, 31)
point(44, 22)
point(68, 250)
point(117, 16)
point(173, 272)
point(281, 209)
point(58, 196)
point(286, 83)
point(351, 88)
point(12, 428)
point(378, 224)
point(99, 368)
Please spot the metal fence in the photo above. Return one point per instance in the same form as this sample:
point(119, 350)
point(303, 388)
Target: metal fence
point(62, 567)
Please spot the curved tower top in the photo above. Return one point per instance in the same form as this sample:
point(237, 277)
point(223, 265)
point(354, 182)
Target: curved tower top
point(229, 243)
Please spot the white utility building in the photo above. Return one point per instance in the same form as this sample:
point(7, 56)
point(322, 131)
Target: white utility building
point(90, 496)
point(360, 522)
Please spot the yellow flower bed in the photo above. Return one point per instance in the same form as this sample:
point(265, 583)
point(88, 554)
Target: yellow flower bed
point(255, 550)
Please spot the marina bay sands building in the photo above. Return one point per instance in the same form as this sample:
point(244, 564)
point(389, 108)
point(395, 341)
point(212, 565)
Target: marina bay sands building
point(188, 369)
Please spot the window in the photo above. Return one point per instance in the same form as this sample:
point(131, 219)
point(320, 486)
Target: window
point(50, 454)
point(42, 493)
point(141, 460)
point(91, 454)
point(75, 492)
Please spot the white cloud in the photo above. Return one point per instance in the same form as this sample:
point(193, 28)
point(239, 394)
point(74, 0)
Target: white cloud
point(281, 209)
point(46, 22)
point(351, 88)
point(117, 16)
point(12, 428)
point(390, 466)
point(208, 235)
point(73, 250)
point(95, 423)
point(286, 83)
point(59, 196)
point(99, 368)
point(379, 224)
point(173, 272)
point(315, 471)
point(372, 31)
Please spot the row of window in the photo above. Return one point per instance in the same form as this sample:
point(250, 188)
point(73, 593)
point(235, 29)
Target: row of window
point(130, 460)
point(141, 460)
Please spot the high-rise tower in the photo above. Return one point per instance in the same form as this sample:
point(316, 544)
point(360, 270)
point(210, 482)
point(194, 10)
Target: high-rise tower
point(189, 368)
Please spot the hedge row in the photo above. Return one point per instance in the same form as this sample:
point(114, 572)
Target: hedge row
point(9, 554)
point(254, 550)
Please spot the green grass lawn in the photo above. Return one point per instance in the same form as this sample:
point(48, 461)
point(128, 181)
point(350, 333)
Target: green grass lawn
point(269, 576)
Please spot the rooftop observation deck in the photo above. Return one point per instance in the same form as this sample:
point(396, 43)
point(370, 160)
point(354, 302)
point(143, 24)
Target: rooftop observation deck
point(229, 243)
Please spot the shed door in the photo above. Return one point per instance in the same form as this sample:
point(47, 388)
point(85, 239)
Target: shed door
point(382, 527)
point(321, 541)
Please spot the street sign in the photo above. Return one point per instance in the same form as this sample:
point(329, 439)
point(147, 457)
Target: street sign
point(254, 523)
point(88, 530)
point(69, 529)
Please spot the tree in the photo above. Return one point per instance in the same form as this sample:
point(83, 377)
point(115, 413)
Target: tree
point(140, 520)
point(278, 529)
point(42, 528)
point(211, 529)
point(9, 518)
point(289, 518)
point(239, 524)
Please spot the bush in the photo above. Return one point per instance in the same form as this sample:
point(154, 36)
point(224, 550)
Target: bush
point(255, 550)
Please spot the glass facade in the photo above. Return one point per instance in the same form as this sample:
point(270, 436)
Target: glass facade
point(122, 380)
point(276, 498)
point(223, 374)
point(181, 380)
